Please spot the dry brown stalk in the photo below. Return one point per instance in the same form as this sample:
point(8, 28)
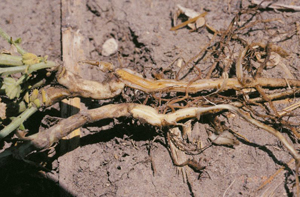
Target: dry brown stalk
point(197, 101)
point(88, 88)
point(133, 80)
point(44, 140)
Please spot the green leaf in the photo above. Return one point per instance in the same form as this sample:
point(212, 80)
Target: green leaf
point(30, 59)
point(18, 41)
point(22, 127)
point(11, 87)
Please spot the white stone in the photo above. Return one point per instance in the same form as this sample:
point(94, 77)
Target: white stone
point(109, 47)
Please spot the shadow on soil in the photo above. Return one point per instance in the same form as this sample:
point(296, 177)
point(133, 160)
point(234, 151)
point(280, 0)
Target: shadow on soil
point(21, 179)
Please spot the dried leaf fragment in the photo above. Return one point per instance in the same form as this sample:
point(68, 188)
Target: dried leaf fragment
point(195, 20)
point(188, 12)
point(275, 5)
point(225, 138)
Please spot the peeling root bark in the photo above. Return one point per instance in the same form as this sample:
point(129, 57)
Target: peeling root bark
point(87, 88)
point(91, 89)
point(53, 95)
point(136, 81)
point(44, 140)
point(146, 114)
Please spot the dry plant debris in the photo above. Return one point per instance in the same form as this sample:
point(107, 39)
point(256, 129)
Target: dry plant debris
point(276, 6)
point(234, 82)
point(195, 19)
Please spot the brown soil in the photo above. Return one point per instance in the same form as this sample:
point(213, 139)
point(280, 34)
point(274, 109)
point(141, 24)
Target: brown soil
point(120, 157)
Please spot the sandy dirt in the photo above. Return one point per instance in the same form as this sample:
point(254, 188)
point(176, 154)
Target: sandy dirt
point(123, 157)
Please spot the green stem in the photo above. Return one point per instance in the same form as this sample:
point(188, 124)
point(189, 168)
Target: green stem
point(32, 68)
point(9, 40)
point(17, 121)
point(21, 79)
point(10, 60)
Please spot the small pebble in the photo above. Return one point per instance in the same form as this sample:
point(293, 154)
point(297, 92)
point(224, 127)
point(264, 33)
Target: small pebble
point(109, 47)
